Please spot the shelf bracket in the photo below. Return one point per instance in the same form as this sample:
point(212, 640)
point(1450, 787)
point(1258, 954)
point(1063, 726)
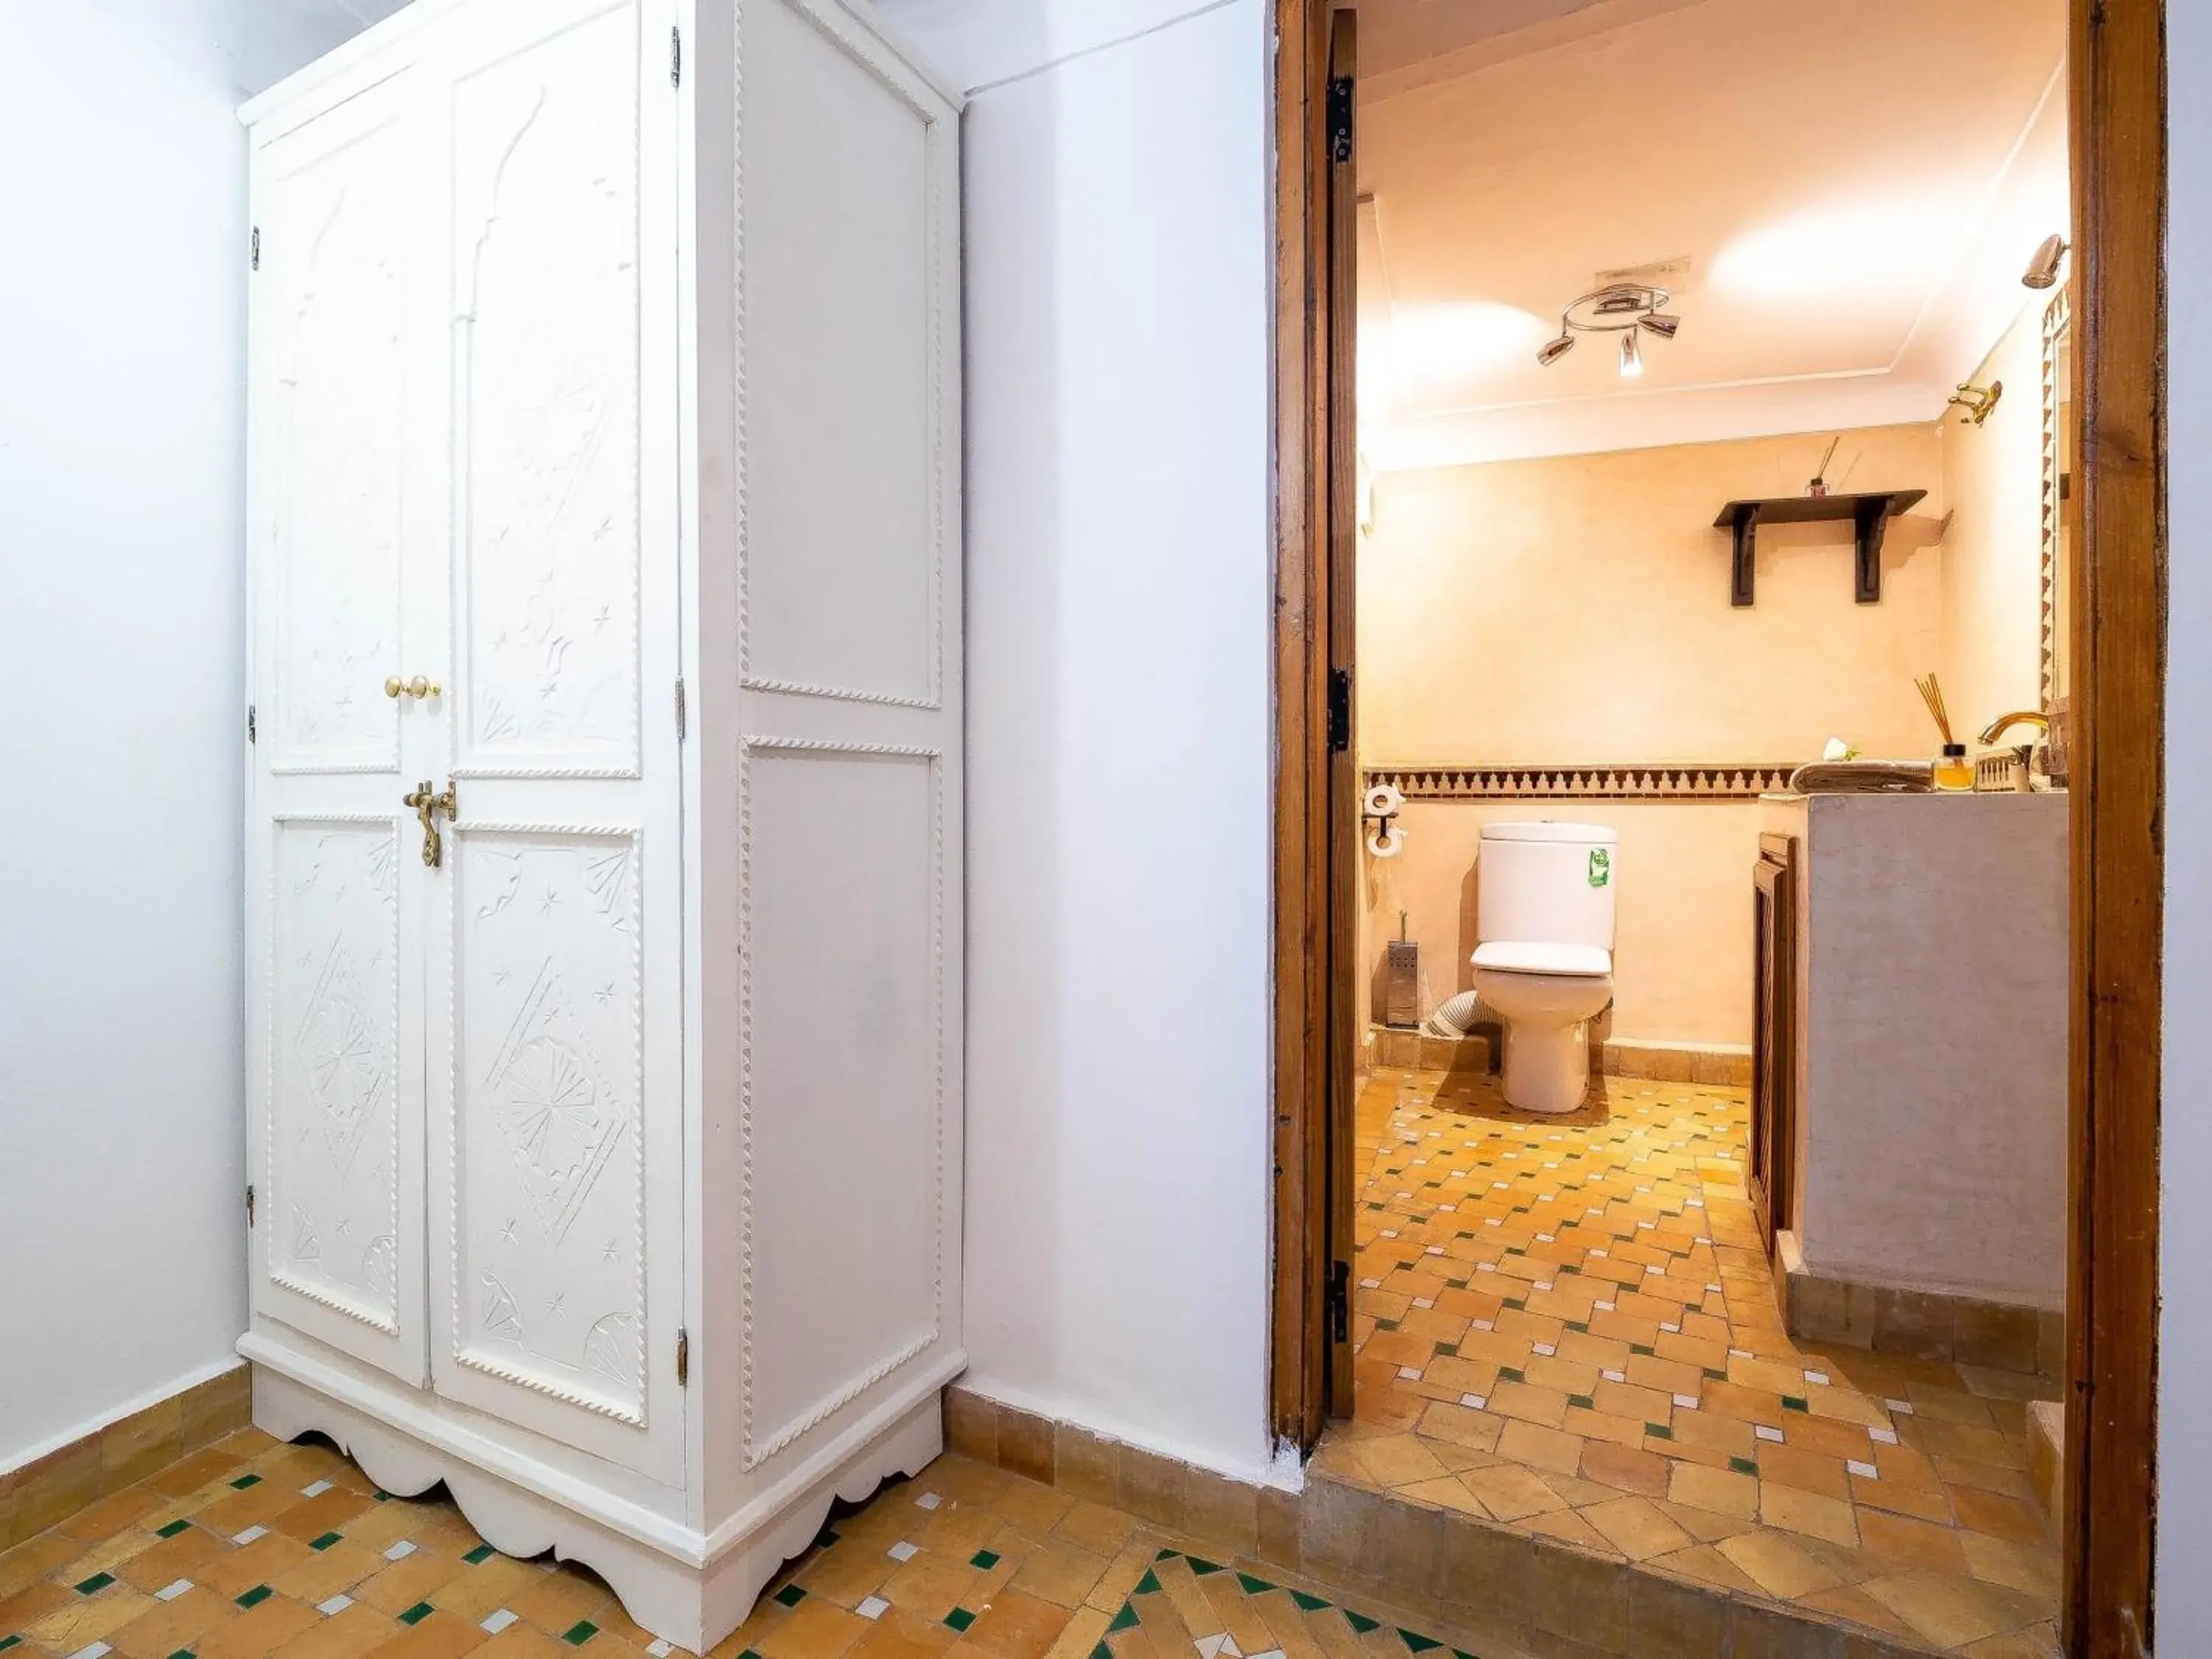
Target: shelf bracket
point(1870, 520)
point(1741, 571)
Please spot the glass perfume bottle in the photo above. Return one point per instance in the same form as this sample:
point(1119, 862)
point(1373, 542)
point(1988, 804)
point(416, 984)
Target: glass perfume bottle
point(1951, 769)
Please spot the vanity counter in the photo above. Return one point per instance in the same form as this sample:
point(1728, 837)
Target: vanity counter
point(1929, 1048)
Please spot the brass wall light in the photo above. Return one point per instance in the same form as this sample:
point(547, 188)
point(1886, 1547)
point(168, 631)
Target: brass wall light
point(1976, 400)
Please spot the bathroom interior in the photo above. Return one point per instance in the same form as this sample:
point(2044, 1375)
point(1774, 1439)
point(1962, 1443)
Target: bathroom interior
point(1710, 718)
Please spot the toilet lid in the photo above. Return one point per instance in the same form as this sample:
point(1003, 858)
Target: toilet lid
point(1518, 957)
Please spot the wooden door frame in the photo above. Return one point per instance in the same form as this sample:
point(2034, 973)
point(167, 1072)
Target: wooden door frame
point(2118, 90)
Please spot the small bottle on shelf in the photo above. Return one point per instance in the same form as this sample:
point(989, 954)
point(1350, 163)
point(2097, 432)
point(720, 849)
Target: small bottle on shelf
point(1953, 770)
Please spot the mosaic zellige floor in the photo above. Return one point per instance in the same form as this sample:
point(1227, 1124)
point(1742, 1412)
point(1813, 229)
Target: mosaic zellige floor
point(254, 1547)
point(1566, 1325)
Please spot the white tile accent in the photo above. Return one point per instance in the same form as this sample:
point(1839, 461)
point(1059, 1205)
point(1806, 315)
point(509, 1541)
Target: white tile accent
point(171, 1592)
point(1902, 1408)
point(1482, 1325)
point(1864, 1471)
point(335, 1606)
point(315, 1489)
point(1614, 1376)
point(1411, 1373)
point(1765, 1433)
point(1544, 1347)
point(95, 1651)
point(1671, 1327)
point(1888, 1437)
point(1688, 1402)
point(1436, 1250)
point(1371, 1284)
point(1473, 1401)
point(660, 1650)
point(1424, 1302)
point(1816, 1376)
point(1602, 1307)
point(496, 1621)
point(929, 1500)
point(249, 1534)
point(399, 1552)
point(904, 1551)
point(874, 1607)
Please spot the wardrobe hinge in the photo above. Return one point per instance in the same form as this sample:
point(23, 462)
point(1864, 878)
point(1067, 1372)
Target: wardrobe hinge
point(1340, 118)
point(256, 247)
point(681, 721)
point(675, 57)
point(1339, 708)
point(249, 1205)
point(1339, 1302)
point(252, 727)
point(682, 1357)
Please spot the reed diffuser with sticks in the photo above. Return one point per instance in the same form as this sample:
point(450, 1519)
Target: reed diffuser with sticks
point(1951, 770)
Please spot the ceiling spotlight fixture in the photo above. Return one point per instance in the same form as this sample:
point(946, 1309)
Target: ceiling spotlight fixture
point(1622, 308)
point(2043, 269)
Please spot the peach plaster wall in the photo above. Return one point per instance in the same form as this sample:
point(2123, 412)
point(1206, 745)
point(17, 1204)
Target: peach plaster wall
point(1576, 610)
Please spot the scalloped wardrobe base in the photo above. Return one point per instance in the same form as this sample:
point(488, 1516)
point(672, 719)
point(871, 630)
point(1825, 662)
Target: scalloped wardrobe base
point(693, 1606)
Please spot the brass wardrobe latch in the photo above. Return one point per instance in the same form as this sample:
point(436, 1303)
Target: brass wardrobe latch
point(418, 687)
point(427, 807)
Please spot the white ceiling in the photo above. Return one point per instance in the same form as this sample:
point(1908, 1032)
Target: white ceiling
point(1856, 190)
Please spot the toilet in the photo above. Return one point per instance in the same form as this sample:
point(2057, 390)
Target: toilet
point(1543, 958)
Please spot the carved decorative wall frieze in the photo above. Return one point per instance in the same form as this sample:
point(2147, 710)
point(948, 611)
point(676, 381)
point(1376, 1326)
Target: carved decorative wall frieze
point(1678, 781)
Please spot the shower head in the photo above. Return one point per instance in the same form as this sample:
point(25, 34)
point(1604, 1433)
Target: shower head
point(2043, 269)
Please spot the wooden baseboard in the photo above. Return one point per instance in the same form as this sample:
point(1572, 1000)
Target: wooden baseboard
point(49, 1489)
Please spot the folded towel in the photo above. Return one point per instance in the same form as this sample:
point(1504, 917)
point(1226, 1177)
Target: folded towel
point(1864, 777)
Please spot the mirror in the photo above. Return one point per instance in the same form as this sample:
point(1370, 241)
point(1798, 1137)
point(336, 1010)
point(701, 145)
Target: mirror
point(2059, 504)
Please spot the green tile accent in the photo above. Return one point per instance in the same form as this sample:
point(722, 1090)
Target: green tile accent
point(790, 1596)
point(1386, 1324)
point(1517, 1302)
point(1122, 1620)
point(1148, 1585)
point(1361, 1622)
point(417, 1613)
point(1449, 1350)
point(1582, 1325)
point(1307, 1603)
point(94, 1585)
point(7, 1642)
point(1253, 1586)
point(1641, 1348)
point(985, 1560)
point(184, 1653)
point(1418, 1643)
point(245, 1480)
point(960, 1618)
point(579, 1632)
point(1201, 1569)
point(1790, 1402)
point(1743, 1466)
point(475, 1557)
point(1583, 1400)
point(1712, 1376)
point(1658, 1430)
point(172, 1530)
point(1167, 1555)
point(826, 1537)
point(331, 1538)
point(1509, 1374)
point(1102, 1651)
point(257, 1594)
point(382, 1497)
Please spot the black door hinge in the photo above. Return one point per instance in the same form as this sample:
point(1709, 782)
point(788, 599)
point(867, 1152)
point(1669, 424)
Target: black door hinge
point(253, 725)
point(256, 247)
point(249, 1205)
point(1339, 1302)
point(675, 58)
point(1339, 708)
point(682, 1357)
point(1340, 118)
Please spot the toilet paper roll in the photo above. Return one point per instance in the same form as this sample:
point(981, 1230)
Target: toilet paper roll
point(1386, 841)
point(1383, 800)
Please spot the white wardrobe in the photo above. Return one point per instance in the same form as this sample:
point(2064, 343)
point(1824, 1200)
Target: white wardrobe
point(604, 888)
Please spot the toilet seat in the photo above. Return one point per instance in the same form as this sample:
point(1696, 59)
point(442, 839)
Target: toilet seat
point(1537, 956)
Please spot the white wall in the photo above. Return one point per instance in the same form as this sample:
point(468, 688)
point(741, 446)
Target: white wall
point(1118, 578)
point(121, 1152)
point(2184, 1611)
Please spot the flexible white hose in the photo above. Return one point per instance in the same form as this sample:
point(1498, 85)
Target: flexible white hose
point(1454, 1017)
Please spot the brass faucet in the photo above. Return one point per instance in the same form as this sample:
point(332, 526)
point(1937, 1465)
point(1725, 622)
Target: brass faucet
point(2003, 723)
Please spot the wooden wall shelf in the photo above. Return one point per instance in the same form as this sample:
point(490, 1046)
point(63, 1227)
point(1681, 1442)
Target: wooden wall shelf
point(1869, 513)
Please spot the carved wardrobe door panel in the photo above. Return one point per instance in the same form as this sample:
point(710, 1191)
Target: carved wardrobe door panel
point(339, 315)
point(556, 948)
